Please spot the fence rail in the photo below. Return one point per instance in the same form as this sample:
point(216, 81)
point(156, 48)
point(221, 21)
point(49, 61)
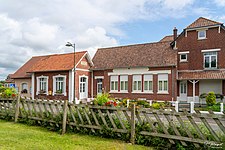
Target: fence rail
point(169, 124)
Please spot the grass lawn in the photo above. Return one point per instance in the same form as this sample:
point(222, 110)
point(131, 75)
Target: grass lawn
point(22, 137)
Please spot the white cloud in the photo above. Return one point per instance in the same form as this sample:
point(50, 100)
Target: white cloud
point(41, 27)
point(219, 2)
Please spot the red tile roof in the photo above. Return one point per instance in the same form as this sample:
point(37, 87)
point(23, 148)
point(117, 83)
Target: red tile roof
point(139, 55)
point(167, 38)
point(213, 74)
point(203, 22)
point(57, 62)
point(22, 71)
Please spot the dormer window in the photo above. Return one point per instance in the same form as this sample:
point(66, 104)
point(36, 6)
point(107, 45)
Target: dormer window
point(202, 34)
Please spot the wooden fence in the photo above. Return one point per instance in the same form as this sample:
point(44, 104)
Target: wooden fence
point(174, 126)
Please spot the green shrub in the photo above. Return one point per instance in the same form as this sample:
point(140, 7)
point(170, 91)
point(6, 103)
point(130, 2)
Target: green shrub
point(156, 105)
point(101, 99)
point(211, 99)
point(7, 92)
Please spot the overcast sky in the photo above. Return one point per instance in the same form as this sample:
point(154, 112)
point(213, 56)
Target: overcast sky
point(38, 27)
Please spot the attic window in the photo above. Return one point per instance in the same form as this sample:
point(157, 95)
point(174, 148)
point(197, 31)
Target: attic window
point(202, 34)
point(183, 57)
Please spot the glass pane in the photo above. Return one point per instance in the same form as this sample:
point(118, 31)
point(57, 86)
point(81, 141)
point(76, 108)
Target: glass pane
point(139, 85)
point(165, 86)
point(135, 85)
point(81, 87)
point(146, 85)
point(213, 61)
point(116, 85)
point(181, 88)
point(150, 85)
point(206, 62)
point(160, 85)
point(185, 88)
point(183, 56)
point(122, 85)
point(112, 85)
point(126, 85)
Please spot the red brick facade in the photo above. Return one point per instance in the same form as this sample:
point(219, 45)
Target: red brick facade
point(150, 96)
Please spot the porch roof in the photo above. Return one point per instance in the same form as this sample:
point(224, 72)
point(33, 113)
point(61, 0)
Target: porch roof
point(195, 75)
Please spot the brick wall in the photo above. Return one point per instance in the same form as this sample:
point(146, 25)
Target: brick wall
point(153, 96)
point(194, 46)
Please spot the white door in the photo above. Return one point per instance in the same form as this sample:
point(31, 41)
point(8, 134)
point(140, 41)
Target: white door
point(183, 90)
point(83, 88)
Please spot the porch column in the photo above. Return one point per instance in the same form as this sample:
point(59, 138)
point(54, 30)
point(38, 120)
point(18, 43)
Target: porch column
point(193, 82)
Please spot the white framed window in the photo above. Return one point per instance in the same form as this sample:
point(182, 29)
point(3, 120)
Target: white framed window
point(42, 85)
point(183, 57)
point(114, 83)
point(202, 34)
point(59, 84)
point(137, 84)
point(163, 83)
point(210, 60)
point(148, 83)
point(123, 83)
point(24, 88)
point(99, 86)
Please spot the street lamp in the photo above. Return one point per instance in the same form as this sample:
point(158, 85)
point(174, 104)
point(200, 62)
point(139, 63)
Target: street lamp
point(68, 44)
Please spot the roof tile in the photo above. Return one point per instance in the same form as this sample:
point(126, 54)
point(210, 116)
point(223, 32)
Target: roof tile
point(203, 22)
point(149, 54)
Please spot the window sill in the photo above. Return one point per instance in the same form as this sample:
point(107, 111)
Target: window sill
point(113, 91)
point(139, 92)
point(123, 92)
point(202, 38)
point(211, 68)
point(162, 92)
point(183, 61)
point(147, 92)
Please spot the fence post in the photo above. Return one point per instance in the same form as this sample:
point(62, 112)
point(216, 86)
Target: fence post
point(177, 106)
point(128, 102)
point(65, 107)
point(17, 108)
point(192, 105)
point(221, 107)
point(150, 102)
point(132, 137)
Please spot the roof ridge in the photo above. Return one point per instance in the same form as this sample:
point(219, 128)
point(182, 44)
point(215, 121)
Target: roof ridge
point(131, 45)
point(59, 54)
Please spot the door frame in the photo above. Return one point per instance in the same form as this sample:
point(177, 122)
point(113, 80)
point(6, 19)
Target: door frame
point(182, 95)
point(86, 87)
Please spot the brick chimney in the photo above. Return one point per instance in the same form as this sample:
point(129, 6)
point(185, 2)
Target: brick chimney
point(174, 33)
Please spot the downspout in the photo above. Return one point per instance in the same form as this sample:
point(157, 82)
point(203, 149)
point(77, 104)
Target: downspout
point(92, 83)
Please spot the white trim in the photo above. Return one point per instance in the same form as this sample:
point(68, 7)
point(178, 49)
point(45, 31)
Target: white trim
point(162, 92)
point(54, 84)
point(125, 72)
point(183, 60)
point(99, 77)
point(211, 50)
point(86, 86)
point(185, 52)
point(22, 89)
point(92, 84)
point(201, 38)
point(88, 57)
point(80, 69)
point(32, 85)
point(71, 85)
point(38, 84)
point(202, 28)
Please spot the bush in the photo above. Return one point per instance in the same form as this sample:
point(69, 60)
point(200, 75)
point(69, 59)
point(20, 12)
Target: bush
point(156, 105)
point(211, 99)
point(101, 99)
point(7, 92)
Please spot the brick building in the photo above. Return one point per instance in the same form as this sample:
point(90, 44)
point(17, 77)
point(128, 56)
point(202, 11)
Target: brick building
point(54, 76)
point(176, 67)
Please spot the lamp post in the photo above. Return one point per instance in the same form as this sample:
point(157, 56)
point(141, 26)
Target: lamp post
point(68, 44)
